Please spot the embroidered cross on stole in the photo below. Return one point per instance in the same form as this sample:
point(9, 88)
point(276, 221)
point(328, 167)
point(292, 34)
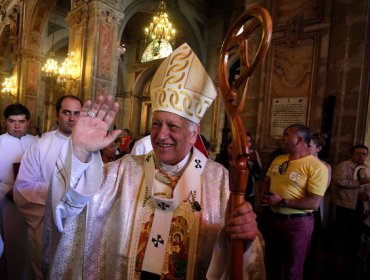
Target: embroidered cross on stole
point(167, 237)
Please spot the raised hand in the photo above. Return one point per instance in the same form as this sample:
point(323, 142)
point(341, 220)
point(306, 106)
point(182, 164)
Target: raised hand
point(90, 134)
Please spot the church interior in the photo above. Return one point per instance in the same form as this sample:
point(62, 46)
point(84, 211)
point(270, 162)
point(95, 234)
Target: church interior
point(316, 70)
point(317, 62)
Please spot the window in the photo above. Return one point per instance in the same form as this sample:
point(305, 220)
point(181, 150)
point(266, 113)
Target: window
point(156, 50)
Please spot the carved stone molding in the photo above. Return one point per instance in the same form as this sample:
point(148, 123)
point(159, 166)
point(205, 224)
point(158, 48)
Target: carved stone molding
point(31, 55)
point(76, 17)
point(3, 5)
point(308, 10)
point(108, 16)
point(101, 10)
point(78, 3)
point(34, 40)
point(39, 18)
point(293, 67)
point(14, 21)
point(294, 31)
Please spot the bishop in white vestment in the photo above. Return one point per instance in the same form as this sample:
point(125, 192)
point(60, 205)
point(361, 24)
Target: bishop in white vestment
point(153, 216)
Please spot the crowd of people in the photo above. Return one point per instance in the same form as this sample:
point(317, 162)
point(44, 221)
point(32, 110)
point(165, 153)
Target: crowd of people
point(88, 202)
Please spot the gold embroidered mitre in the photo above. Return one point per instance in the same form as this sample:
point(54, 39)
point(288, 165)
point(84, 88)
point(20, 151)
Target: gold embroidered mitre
point(182, 86)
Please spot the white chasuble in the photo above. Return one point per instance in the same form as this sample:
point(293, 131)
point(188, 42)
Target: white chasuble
point(102, 210)
point(168, 234)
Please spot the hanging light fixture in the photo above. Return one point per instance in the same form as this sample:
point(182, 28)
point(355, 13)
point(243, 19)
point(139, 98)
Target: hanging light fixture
point(50, 68)
point(69, 70)
point(9, 86)
point(121, 49)
point(161, 28)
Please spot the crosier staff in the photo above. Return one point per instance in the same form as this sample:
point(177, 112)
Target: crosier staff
point(237, 39)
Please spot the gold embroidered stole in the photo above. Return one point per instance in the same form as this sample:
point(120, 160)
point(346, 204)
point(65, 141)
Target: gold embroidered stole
point(167, 227)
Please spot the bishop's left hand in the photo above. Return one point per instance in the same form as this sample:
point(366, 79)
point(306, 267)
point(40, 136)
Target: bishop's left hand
point(241, 223)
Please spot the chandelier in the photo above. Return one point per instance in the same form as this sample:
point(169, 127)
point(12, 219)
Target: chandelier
point(69, 70)
point(121, 49)
point(9, 86)
point(50, 67)
point(161, 28)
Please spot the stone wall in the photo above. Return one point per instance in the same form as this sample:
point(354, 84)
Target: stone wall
point(348, 76)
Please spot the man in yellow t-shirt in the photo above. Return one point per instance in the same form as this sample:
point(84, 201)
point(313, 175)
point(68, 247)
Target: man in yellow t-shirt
point(295, 184)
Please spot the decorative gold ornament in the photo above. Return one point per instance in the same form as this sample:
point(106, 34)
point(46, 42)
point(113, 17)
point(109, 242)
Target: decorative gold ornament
point(182, 86)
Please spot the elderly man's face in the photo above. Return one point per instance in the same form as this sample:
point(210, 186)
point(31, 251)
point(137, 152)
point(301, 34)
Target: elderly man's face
point(172, 136)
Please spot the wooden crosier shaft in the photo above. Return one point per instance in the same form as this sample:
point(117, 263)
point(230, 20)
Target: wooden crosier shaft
point(253, 18)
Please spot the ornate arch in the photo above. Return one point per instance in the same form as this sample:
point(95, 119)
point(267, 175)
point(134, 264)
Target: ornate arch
point(35, 92)
point(143, 78)
point(36, 23)
point(143, 6)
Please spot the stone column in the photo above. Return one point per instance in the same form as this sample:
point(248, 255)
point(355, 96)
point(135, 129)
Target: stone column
point(28, 60)
point(93, 29)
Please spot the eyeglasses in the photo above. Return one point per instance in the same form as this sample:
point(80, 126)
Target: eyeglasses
point(283, 167)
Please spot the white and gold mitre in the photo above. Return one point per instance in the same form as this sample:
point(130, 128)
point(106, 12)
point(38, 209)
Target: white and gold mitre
point(182, 86)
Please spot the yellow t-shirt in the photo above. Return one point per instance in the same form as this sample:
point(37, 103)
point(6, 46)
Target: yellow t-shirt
point(293, 179)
